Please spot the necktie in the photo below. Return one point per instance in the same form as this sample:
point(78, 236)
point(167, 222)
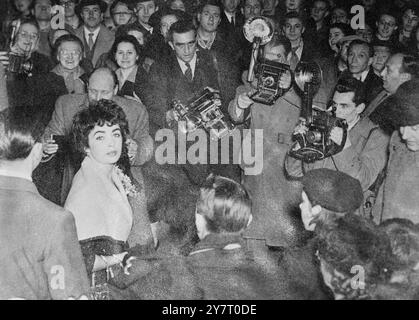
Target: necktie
point(233, 23)
point(91, 43)
point(188, 72)
point(294, 58)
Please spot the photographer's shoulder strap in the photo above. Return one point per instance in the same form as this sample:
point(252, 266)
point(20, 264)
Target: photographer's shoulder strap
point(375, 103)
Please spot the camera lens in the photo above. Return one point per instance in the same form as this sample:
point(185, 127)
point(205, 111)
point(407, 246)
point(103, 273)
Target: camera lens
point(314, 136)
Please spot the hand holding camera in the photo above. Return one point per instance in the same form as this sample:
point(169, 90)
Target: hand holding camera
point(4, 58)
point(244, 101)
point(285, 80)
point(50, 147)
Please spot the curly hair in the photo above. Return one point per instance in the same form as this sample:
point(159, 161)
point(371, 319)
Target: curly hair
point(100, 113)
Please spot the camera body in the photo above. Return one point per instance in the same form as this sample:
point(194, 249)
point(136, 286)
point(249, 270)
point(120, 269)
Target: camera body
point(18, 64)
point(315, 144)
point(203, 111)
point(268, 74)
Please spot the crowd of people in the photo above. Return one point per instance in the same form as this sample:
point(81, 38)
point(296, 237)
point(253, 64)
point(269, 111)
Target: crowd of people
point(90, 208)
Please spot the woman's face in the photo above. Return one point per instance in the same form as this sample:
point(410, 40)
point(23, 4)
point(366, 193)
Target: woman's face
point(69, 55)
point(339, 15)
point(138, 35)
point(27, 38)
point(121, 14)
point(126, 56)
point(335, 34)
point(105, 144)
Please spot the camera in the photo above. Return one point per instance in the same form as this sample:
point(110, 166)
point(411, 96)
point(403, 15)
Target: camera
point(268, 74)
point(18, 64)
point(315, 144)
point(203, 111)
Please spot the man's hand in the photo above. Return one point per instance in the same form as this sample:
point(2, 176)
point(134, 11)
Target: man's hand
point(170, 116)
point(244, 101)
point(301, 127)
point(50, 147)
point(285, 80)
point(4, 58)
point(336, 135)
point(132, 149)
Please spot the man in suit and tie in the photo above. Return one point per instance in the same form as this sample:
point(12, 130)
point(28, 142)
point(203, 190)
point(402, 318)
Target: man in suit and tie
point(232, 19)
point(97, 39)
point(41, 256)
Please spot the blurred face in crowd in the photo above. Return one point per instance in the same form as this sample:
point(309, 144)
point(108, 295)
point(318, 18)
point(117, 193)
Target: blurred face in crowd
point(166, 23)
point(105, 144)
point(339, 16)
point(145, 10)
point(293, 5)
point(335, 34)
point(42, 10)
point(27, 38)
point(269, 5)
point(230, 5)
point(69, 7)
point(359, 59)
point(126, 57)
point(177, 5)
point(210, 18)
point(386, 26)
point(365, 33)
point(410, 135)
point(293, 29)
point(252, 8)
point(138, 35)
point(381, 55)
point(121, 14)
point(101, 86)
point(69, 55)
point(392, 77)
point(345, 106)
point(319, 10)
point(410, 20)
point(184, 45)
point(92, 16)
point(23, 5)
point(276, 54)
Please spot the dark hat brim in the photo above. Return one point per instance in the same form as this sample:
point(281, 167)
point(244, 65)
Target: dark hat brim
point(83, 3)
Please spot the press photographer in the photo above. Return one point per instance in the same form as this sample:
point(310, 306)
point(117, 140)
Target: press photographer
point(365, 151)
point(272, 195)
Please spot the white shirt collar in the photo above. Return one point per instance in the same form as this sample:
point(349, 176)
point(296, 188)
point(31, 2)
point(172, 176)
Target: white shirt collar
point(14, 174)
point(192, 63)
point(299, 51)
point(363, 75)
point(147, 27)
point(95, 34)
point(229, 16)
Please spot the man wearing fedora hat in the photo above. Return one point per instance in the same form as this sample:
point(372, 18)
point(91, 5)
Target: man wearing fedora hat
point(400, 189)
point(97, 39)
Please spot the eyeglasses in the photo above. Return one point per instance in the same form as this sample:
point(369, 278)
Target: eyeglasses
point(31, 36)
point(66, 53)
point(87, 11)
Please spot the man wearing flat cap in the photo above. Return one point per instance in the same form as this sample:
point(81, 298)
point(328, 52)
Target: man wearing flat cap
point(401, 186)
point(328, 193)
point(97, 39)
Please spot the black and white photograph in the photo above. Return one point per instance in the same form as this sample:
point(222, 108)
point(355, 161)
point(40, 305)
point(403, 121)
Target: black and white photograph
point(209, 154)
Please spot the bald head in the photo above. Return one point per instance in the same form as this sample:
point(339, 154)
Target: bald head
point(102, 85)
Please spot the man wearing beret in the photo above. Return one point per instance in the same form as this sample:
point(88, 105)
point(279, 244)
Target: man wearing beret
point(400, 189)
point(328, 194)
point(97, 39)
point(365, 151)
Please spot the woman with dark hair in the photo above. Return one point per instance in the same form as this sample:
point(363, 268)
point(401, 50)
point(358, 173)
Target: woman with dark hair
point(104, 196)
point(126, 52)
